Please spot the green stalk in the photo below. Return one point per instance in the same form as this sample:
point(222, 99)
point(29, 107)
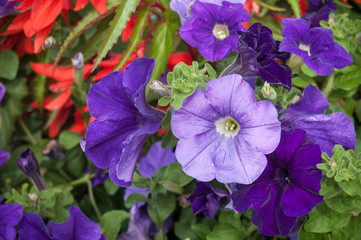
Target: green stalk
point(92, 200)
point(329, 85)
point(27, 132)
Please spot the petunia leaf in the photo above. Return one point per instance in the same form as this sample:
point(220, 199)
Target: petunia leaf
point(295, 7)
point(9, 59)
point(111, 221)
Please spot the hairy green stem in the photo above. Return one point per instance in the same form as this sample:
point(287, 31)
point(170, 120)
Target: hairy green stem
point(329, 85)
point(81, 180)
point(27, 132)
point(92, 200)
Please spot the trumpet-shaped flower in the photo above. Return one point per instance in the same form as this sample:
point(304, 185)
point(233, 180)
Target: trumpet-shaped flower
point(10, 216)
point(123, 120)
point(288, 188)
point(222, 132)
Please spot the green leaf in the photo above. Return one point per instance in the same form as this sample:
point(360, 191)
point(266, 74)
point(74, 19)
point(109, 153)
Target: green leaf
point(136, 37)
point(84, 24)
point(116, 28)
point(175, 174)
point(322, 219)
point(295, 7)
point(110, 187)
point(303, 235)
point(9, 59)
point(353, 229)
point(111, 221)
point(69, 140)
point(269, 6)
point(134, 198)
point(348, 81)
point(229, 227)
point(10, 108)
point(161, 207)
point(352, 187)
point(344, 203)
point(163, 43)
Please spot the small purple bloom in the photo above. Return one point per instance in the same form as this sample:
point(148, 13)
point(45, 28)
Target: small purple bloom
point(78, 227)
point(2, 91)
point(314, 46)
point(7, 7)
point(327, 130)
point(123, 120)
point(288, 187)
point(100, 177)
point(52, 150)
point(208, 199)
point(257, 53)
point(28, 164)
point(212, 30)
point(222, 132)
point(3, 157)
point(10, 216)
point(318, 10)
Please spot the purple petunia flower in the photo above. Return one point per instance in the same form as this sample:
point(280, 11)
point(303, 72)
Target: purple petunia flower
point(327, 130)
point(318, 10)
point(10, 216)
point(7, 7)
point(182, 7)
point(78, 227)
point(123, 120)
point(222, 132)
point(208, 199)
point(288, 187)
point(213, 28)
point(2, 91)
point(3, 157)
point(314, 46)
point(257, 53)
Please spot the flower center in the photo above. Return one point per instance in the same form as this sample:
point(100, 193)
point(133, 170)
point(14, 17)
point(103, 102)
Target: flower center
point(227, 126)
point(220, 31)
point(305, 48)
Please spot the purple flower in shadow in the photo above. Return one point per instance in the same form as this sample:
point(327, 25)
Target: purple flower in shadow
point(222, 132)
point(288, 188)
point(213, 28)
point(10, 216)
point(318, 10)
point(327, 130)
point(123, 120)
point(77, 227)
point(315, 47)
point(208, 199)
point(3, 157)
point(7, 7)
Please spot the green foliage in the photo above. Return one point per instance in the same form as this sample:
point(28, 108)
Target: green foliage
point(168, 140)
point(9, 59)
point(184, 80)
point(161, 207)
point(295, 7)
point(119, 22)
point(111, 221)
point(69, 140)
point(228, 227)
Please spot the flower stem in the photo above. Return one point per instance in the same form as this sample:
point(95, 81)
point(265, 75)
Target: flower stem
point(27, 132)
point(329, 85)
point(81, 180)
point(92, 200)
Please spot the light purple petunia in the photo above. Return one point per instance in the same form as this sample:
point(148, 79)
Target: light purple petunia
point(10, 216)
point(327, 130)
point(213, 28)
point(288, 188)
point(208, 199)
point(3, 157)
point(123, 120)
point(182, 7)
point(2, 91)
point(224, 133)
point(315, 46)
point(77, 227)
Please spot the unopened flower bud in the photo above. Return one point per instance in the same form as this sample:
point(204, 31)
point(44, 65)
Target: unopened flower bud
point(295, 61)
point(78, 61)
point(268, 91)
point(161, 88)
point(52, 150)
point(332, 163)
point(49, 42)
point(29, 165)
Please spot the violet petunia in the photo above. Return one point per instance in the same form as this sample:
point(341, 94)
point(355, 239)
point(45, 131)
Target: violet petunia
point(77, 227)
point(123, 120)
point(10, 216)
point(288, 187)
point(2, 91)
point(213, 28)
point(318, 10)
point(327, 130)
point(7, 7)
point(208, 199)
point(3, 157)
point(222, 132)
point(315, 47)
point(258, 52)
point(182, 7)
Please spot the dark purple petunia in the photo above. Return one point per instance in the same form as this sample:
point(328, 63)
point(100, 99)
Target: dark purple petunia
point(258, 52)
point(288, 187)
point(2, 91)
point(123, 120)
point(6, 8)
point(77, 227)
point(327, 130)
point(208, 199)
point(315, 47)
point(3, 157)
point(213, 28)
point(318, 10)
point(10, 216)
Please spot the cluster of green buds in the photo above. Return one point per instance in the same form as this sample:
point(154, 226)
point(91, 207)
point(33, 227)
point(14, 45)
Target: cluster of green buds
point(342, 166)
point(183, 82)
